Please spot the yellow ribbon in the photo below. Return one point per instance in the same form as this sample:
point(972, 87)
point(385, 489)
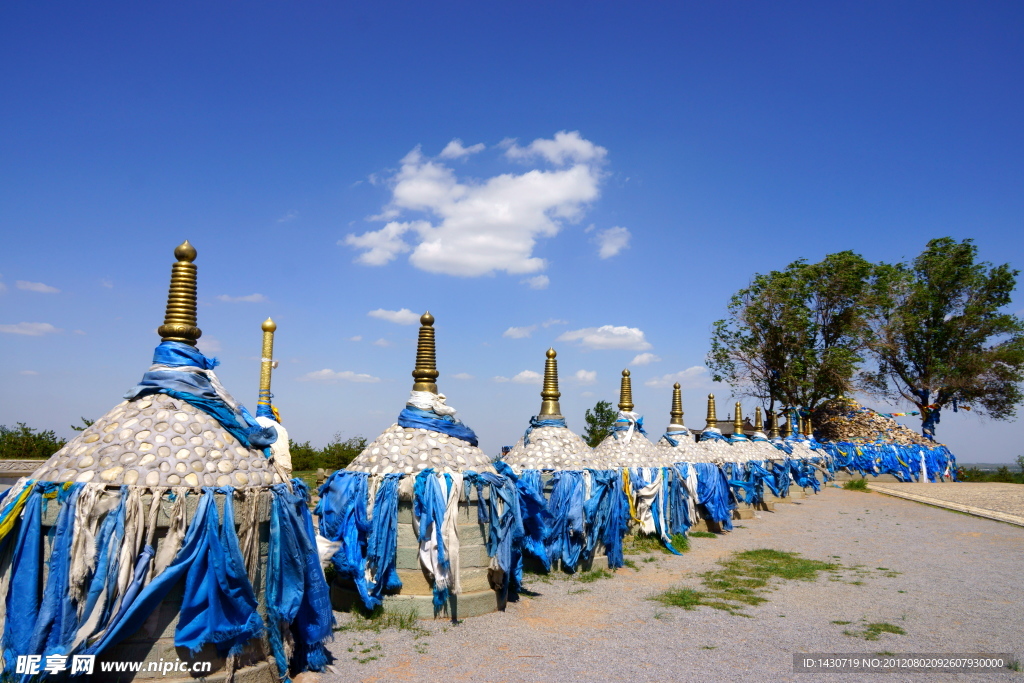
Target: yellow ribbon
point(627, 487)
point(7, 523)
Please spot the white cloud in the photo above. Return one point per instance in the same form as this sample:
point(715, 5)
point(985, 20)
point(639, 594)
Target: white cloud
point(479, 227)
point(30, 329)
point(611, 241)
point(585, 376)
point(499, 379)
point(28, 373)
point(455, 150)
point(82, 332)
point(288, 217)
point(106, 283)
point(645, 359)
point(587, 393)
point(608, 337)
point(554, 321)
point(563, 148)
point(528, 377)
point(36, 287)
point(355, 338)
point(328, 375)
point(208, 345)
point(538, 282)
point(519, 332)
point(692, 377)
point(246, 299)
point(400, 317)
point(462, 375)
point(383, 343)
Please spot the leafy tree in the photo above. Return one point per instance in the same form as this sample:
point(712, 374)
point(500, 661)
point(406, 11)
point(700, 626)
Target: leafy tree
point(334, 456)
point(940, 337)
point(85, 425)
point(25, 443)
point(598, 423)
point(796, 336)
point(1020, 463)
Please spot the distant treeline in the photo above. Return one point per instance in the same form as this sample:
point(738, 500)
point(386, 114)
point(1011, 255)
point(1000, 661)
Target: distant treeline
point(21, 442)
point(1002, 474)
point(334, 456)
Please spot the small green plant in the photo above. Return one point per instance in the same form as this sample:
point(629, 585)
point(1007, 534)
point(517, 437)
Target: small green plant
point(702, 534)
point(594, 575)
point(631, 564)
point(650, 559)
point(709, 647)
point(856, 485)
point(1014, 665)
point(842, 623)
point(380, 619)
point(687, 598)
point(875, 630)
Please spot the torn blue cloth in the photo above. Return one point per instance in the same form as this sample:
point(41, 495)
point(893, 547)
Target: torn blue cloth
point(536, 422)
point(567, 521)
point(446, 424)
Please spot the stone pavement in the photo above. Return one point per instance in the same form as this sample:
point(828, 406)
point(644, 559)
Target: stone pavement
point(1003, 502)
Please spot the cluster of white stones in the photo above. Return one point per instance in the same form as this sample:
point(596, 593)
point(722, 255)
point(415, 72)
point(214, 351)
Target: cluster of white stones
point(550, 448)
point(687, 451)
point(408, 450)
point(158, 441)
point(616, 452)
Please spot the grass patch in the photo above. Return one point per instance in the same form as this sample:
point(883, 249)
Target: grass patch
point(650, 559)
point(743, 579)
point(856, 485)
point(638, 544)
point(842, 623)
point(381, 619)
point(875, 630)
point(631, 564)
point(702, 534)
point(594, 575)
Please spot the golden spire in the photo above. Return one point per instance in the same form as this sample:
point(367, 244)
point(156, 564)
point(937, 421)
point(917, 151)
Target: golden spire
point(758, 423)
point(773, 420)
point(808, 430)
point(549, 393)
point(676, 416)
point(787, 428)
point(712, 416)
point(267, 360)
point(737, 423)
point(180, 318)
point(626, 393)
point(425, 373)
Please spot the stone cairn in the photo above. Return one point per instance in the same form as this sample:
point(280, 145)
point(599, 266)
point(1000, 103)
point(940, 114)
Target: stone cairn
point(549, 447)
point(621, 449)
point(844, 419)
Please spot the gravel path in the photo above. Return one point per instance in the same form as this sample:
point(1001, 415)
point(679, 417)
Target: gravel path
point(958, 590)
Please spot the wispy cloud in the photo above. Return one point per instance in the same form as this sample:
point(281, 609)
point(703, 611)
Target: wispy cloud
point(474, 228)
point(330, 376)
point(30, 329)
point(28, 373)
point(585, 377)
point(36, 287)
point(288, 217)
point(611, 241)
point(554, 321)
point(528, 377)
point(608, 337)
point(538, 282)
point(383, 343)
point(519, 332)
point(107, 283)
point(356, 338)
point(401, 317)
point(500, 379)
point(691, 377)
point(455, 149)
point(246, 299)
point(645, 359)
point(209, 345)
point(462, 375)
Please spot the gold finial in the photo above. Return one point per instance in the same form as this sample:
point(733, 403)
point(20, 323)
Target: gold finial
point(180, 317)
point(549, 393)
point(676, 415)
point(787, 428)
point(758, 423)
point(808, 430)
point(712, 415)
point(773, 421)
point(425, 374)
point(267, 361)
point(626, 393)
point(737, 424)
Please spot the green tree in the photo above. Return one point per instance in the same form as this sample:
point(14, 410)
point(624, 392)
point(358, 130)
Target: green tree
point(85, 425)
point(1020, 463)
point(940, 336)
point(598, 423)
point(25, 443)
point(796, 336)
point(335, 455)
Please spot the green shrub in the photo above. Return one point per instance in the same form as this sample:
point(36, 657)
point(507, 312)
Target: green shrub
point(25, 443)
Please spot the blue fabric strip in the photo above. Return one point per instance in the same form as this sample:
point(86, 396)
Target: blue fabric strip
point(446, 424)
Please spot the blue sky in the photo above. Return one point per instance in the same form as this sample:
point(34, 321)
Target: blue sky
point(529, 172)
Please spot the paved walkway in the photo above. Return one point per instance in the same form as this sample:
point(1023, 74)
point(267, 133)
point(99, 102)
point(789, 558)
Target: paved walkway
point(1003, 502)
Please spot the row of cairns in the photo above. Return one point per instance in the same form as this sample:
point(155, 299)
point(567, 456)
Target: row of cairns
point(160, 445)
